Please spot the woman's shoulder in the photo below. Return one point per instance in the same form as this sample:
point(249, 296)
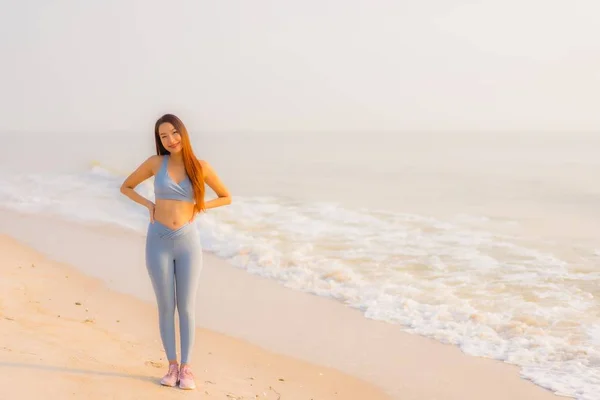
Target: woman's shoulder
point(154, 159)
point(205, 165)
point(153, 162)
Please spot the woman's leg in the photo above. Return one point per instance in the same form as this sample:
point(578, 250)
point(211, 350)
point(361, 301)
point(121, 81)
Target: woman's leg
point(159, 262)
point(188, 265)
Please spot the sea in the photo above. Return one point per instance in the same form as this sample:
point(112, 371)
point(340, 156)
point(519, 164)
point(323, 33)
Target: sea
point(488, 241)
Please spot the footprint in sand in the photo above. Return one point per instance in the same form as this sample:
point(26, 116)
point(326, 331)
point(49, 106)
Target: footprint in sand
point(154, 364)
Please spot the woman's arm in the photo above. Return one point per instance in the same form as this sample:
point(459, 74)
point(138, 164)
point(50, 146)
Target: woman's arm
point(143, 172)
point(212, 179)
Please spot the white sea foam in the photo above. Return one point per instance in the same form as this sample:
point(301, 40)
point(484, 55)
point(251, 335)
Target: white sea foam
point(455, 280)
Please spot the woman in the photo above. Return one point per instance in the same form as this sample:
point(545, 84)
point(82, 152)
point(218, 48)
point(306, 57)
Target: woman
point(173, 250)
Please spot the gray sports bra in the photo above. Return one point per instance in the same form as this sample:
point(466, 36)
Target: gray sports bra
point(166, 188)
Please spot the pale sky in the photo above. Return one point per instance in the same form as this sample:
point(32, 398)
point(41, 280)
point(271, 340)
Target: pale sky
point(393, 65)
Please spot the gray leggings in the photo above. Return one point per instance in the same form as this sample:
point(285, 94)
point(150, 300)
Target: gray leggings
point(174, 262)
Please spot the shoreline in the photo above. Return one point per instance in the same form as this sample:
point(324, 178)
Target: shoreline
point(271, 316)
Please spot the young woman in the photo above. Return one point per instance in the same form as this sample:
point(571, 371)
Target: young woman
point(173, 250)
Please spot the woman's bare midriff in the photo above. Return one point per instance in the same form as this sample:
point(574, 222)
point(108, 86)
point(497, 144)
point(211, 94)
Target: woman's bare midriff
point(173, 213)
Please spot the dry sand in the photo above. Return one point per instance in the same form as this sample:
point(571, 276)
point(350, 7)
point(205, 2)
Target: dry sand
point(66, 335)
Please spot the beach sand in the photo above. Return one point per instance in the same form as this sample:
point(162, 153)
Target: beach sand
point(66, 335)
point(253, 333)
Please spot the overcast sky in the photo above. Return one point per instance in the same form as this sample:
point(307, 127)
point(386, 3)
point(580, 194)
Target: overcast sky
point(73, 65)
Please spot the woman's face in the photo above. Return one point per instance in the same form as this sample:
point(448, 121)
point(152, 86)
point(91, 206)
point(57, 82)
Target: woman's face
point(169, 137)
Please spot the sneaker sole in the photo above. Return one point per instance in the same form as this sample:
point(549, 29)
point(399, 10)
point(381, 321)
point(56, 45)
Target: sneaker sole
point(187, 388)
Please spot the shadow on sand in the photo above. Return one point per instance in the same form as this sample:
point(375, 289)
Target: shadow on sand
point(51, 368)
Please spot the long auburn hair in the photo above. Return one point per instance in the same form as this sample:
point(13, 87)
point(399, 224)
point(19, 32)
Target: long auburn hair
point(191, 163)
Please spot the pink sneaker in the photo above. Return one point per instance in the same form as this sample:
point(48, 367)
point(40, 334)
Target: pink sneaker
point(186, 378)
point(171, 378)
